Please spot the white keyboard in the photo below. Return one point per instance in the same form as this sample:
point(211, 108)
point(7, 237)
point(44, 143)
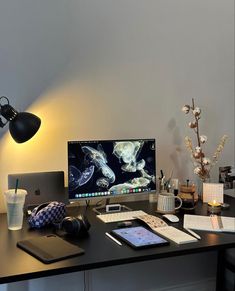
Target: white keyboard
point(120, 216)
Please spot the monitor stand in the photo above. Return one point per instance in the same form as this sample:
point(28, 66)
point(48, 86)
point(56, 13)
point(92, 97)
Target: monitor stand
point(110, 208)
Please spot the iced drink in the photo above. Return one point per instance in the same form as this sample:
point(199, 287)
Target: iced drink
point(15, 205)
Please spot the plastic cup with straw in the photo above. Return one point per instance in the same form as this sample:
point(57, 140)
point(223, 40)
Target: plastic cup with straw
point(15, 199)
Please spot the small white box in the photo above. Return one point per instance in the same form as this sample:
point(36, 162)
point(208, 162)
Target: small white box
point(113, 207)
point(213, 191)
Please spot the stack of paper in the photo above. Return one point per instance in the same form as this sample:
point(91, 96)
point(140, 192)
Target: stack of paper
point(210, 223)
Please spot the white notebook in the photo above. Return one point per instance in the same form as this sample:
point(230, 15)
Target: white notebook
point(176, 235)
point(210, 223)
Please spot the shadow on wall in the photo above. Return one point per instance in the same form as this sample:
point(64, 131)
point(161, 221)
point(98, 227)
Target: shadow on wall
point(33, 55)
point(179, 154)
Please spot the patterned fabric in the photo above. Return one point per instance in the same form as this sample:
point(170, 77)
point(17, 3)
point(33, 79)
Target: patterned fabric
point(46, 214)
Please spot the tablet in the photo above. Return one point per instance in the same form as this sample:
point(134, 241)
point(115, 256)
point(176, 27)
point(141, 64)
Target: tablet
point(139, 237)
point(49, 248)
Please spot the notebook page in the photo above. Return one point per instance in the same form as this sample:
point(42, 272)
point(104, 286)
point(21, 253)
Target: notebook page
point(176, 235)
point(152, 221)
point(206, 223)
point(198, 222)
point(228, 224)
point(216, 222)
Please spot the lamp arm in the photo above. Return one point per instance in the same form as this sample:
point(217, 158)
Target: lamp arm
point(4, 98)
point(6, 110)
point(2, 124)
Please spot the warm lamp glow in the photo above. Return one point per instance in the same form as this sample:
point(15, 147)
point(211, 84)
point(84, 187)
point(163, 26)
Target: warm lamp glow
point(63, 119)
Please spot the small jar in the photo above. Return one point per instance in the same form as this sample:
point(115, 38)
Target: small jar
point(214, 207)
point(188, 195)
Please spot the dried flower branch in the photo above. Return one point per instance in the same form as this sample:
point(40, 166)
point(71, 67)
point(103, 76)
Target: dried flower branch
point(188, 143)
point(202, 163)
point(219, 149)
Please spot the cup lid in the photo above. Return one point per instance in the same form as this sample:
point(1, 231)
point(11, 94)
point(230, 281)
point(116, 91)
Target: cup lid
point(19, 192)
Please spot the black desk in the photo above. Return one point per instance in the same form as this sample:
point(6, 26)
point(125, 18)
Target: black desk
point(17, 265)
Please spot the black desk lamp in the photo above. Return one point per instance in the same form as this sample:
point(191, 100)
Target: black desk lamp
point(22, 125)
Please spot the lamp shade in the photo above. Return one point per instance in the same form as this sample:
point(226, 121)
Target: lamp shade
point(24, 126)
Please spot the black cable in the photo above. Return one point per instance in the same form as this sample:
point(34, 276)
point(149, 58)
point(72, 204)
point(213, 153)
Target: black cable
point(87, 202)
point(99, 202)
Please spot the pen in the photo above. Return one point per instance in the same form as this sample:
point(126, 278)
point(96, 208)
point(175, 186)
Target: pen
point(114, 239)
point(193, 233)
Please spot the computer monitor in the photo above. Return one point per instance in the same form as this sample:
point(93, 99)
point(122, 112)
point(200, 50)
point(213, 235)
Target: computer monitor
point(111, 168)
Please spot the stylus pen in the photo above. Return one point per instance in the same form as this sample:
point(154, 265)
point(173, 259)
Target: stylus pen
point(193, 233)
point(114, 239)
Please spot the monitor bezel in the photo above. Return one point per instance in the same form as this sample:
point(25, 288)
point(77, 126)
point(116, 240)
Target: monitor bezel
point(116, 196)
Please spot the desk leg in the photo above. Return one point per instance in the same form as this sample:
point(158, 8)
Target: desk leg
point(86, 280)
point(220, 275)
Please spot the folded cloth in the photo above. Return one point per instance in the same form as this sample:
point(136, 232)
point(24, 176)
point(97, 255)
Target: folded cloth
point(47, 213)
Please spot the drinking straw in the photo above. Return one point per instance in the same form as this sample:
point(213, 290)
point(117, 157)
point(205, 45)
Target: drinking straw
point(16, 187)
point(187, 182)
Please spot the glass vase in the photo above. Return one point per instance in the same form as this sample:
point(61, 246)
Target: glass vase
point(200, 182)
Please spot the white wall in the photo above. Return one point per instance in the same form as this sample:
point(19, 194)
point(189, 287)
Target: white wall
point(116, 69)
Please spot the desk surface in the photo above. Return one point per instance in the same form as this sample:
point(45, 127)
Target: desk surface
point(17, 265)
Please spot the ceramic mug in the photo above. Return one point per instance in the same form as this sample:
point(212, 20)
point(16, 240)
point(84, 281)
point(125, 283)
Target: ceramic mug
point(166, 202)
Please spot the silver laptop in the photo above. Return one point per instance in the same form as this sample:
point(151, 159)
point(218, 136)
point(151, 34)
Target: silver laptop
point(42, 187)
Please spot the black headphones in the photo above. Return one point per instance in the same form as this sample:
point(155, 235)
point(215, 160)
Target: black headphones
point(75, 226)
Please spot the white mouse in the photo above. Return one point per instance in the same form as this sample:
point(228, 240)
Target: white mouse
point(171, 217)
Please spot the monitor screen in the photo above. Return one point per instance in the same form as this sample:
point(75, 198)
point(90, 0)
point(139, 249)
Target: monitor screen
point(108, 168)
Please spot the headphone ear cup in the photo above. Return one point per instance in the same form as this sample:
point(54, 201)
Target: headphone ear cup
point(77, 226)
point(84, 224)
point(71, 225)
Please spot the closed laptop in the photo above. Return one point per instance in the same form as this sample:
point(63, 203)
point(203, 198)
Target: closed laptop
point(41, 187)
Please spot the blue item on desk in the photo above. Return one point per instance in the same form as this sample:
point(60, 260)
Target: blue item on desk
point(47, 213)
